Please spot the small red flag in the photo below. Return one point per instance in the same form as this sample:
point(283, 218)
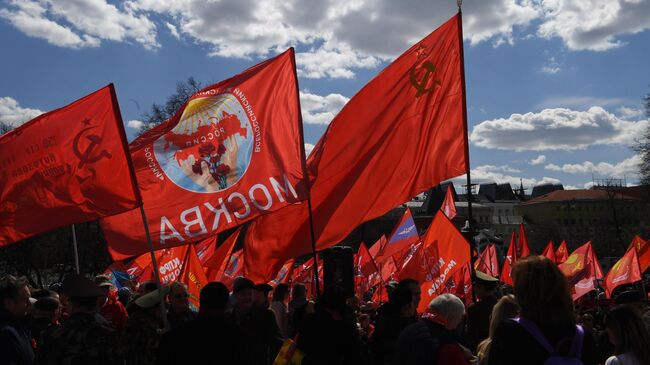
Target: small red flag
point(67, 166)
point(411, 120)
point(582, 269)
point(448, 206)
point(216, 263)
point(229, 154)
point(625, 271)
point(562, 253)
point(549, 252)
point(170, 263)
point(642, 248)
point(364, 263)
point(193, 276)
point(510, 259)
point(460, 284)
point(522, 242)
point(488, 262)
point(404, 235)
point(284, 275)
point(234, 268)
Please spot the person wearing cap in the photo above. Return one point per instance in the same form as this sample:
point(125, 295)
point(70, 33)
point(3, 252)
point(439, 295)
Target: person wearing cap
point(109, 307)
point(179, 310)
point(15, 344)
point(258, 323)
point(478, 313)
point(46, 314)
point(210, 333)
point(143, 328)
point(83, 338)
point(261, 295)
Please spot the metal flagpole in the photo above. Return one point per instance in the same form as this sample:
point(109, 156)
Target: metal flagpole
point(76, 251)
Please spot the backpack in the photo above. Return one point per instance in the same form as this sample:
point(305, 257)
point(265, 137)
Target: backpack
point(572, 358)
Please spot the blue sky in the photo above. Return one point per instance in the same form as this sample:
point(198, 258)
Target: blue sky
point(555, 87)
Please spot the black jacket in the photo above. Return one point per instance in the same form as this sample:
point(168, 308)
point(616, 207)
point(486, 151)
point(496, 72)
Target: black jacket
point(15, 343)
point(419, 342)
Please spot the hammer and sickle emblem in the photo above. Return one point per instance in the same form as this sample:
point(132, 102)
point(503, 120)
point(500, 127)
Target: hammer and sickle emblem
point(421, 85)
point(86, 156)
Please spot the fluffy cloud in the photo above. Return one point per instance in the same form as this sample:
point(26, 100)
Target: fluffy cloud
point(135, 124)
point(488, 174)
point(551, 67)
point(308, 148)
point(12, 114)
point(317, 109)
point(556, 129)
point(593, 24)
point(629, 166)
point(79, 23)
point(538, 160)
point(630, 112)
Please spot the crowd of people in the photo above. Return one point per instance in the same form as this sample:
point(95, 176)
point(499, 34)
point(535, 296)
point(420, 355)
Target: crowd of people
point(84, 321)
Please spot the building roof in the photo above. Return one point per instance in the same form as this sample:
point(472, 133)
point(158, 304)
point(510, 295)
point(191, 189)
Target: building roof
point(577, 195)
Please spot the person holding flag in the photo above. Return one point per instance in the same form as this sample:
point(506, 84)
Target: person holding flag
point(479, 312)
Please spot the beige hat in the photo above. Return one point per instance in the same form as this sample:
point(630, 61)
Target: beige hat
point(151, 299)
point(480, 275)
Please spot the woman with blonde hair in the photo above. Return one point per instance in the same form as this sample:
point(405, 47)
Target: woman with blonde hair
point(629, 336)
point(505, 309)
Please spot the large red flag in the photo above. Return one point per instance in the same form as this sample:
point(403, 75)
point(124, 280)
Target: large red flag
point(231, 153)
point(193, 275)
point(460, 284)
point(216, 263)
point(404, 235)
point(625, 271)
point(549, 252)
point(509, 261)
point(642, 248)
point(448, 206)
point(67, 166)
point(411, 121)
point(562, 253)
point(582, 269)
point(488, 262)
point(444, 251)
point(522, 242)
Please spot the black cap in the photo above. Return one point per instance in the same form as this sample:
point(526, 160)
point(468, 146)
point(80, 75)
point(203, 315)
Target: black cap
point(78, 286)
point(630, 296)
point(46, 304)
point(242, 283)
point(266, 288)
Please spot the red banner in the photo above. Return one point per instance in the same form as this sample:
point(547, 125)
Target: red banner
point(522, 242)
point(625, 271)
point(509, 261)
point(642, 248)
point(215, 264)
point(562, 253)
point(231, 153)
point(67, 166)
point(582, 269)
point(549, 252)
point(488, 262)
point(193, 276)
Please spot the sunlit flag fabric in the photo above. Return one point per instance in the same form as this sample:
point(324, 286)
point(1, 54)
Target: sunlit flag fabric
point(398, 136)
point(582, 269)
point(444, 251)
point(216, 263)
point(509, 261)
point(522, 242)
point(234, 268)
point(404, 235)
point(448, 205)
point(562, 253)
point(193, 275)
point(625, 271)
point(488, 262)
point(229, 154)
point(284, 275)
point(460, 284)
point(67, 166)
point(642, 248)
point(549, 252)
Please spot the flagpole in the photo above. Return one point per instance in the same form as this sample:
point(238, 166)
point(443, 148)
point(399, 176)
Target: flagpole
point(306, 177)
point(76, 251)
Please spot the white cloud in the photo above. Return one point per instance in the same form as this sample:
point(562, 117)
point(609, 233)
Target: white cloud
point(135, 124)
point(556, 129)
point(173, 30)
point(332, 63)
point(538, 160)
point(308, 148)
point(488, 174)
point(593, 24)
point(79, 23)
point(630, 112)
point(629, 167)
point(317, 109)
point(551, 67)
point(578, 102)
point(13, 114)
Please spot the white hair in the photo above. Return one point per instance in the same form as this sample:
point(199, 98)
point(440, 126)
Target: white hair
point(448, 306)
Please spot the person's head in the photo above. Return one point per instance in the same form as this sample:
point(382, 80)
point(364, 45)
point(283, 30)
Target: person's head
point(390, 286)
point(543, 294)
point(261, 295)
point(242, 289)
point(81, 294)
point(633, 298)
point(147, 287)
point(14, 295)
point(179, 298)
point(124, 295)
point(364, 320)
point(401, 301)
point(587, 321)
point(213, 298)
point(47, 307)
point(299, 291)
point(413, 287)
point(450, 307)
point(281, 293)
point(484, 285)
point(505, 308)
point(628, 333)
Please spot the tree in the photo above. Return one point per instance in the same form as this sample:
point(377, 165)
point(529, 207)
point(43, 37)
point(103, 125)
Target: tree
point(160, 113)
point(642, 147)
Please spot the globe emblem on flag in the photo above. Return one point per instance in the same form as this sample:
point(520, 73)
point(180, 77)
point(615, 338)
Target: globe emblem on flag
point(210, 147)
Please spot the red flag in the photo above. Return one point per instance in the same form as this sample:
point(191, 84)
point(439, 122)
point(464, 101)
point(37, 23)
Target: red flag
point(193, 276)
point(444, 251)
point(522, 243)
point(67, 166)
point(206, 248)
point(376, 249)
point(234, 268)
point(404, 235)
point(488, 262)
point(216, 263)
point(411, 120)
point(509, 261)
point(625, 271)
point(170, 263)
point(642, 248)
point(549, 252)
point(284, 275)
point(364, 263)
point(448, 206)
point(582, 269)
point(387, 272)
point(562, 253)
point(231, 153)
point(460, 284)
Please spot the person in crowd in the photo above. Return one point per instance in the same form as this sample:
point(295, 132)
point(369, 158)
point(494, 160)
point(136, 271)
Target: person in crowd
point(297, 308)
point(366, 327)
point(261, 295)
point(280, 308)
point(432, 339)
point(478, 313)
point(109, 307)
point(15, 343)
point(124, 295)
point(82, 338)
point(395, 315)
point(46, 314)
point(147, 287)
point(212, 332)
point(258, 323)
point(629, 335)
point(504, 309)
point(330, 335)
point(179, 310)
point(547, 325)
point(143, 329)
